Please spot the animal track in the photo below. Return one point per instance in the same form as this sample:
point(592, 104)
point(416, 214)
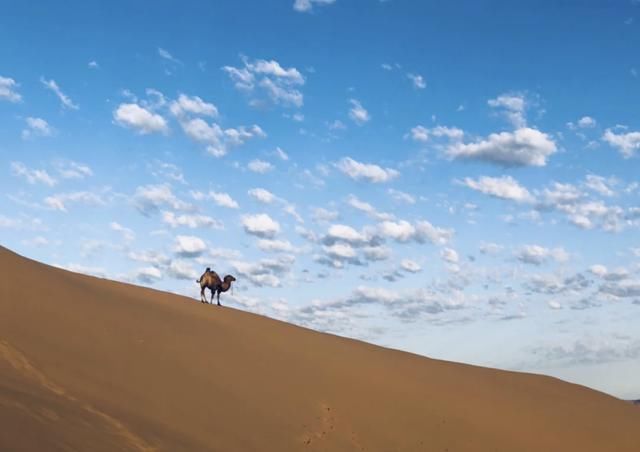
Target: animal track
point(326, 428)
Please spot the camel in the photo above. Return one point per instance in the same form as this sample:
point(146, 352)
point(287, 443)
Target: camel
point(212, 281)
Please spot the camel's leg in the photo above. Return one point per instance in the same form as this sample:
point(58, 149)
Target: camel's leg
point(218, 297)
point(203, 298)
point(213, 294)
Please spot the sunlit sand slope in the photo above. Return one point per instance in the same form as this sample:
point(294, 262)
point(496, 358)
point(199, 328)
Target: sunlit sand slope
point(93, 365)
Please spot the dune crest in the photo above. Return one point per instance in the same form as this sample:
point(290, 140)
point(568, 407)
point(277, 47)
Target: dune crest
point(91, 364)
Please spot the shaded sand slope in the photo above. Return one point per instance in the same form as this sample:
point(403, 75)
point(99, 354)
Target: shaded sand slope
point(89, 364)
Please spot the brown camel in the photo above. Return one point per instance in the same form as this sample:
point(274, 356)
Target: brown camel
point(210, 280)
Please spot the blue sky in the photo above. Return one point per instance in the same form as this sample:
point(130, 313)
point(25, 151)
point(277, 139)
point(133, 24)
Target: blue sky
point(455, 179)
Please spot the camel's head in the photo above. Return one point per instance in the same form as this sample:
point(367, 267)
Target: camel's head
point(229, 278)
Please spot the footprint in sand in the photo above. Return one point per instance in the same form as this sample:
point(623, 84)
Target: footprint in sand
point(325, 430)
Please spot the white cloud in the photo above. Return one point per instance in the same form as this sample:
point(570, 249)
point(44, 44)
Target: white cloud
point(580, 210)
point(304, 6)
point(219, 140)
point(336, 125)
point(149, 198)
point(61, 201)
point(53, 86)
point(537, 255)
point(627, 143)
point(340, 251)
point(422, 134)
point(449, 255)
point(260, 225)
point(600, 184)
point(149, 257)
point(260, 166)
point(281, 154)
point(290, 209)
point(93, 64)
point(265, 272)
point(192, 221)
point(376, 253)
point(225, 253)
point(37, 242)
point(490, 248)
point(321, 214)
point(436, 235)
point(553, 304)
point(199, 130)
point(240, 135)
point(127, 233)
point(586, 122)
point(37, 127)
point(622, 289)
point(513, 102)
point(280, 94)
point(560, 194)
point(505, 187)
point(404, 306)
point(164, 54)
point(276, 246)
point(73, 170)
point(223, 200)
point(523, 147)
point(401, 231)
point(358, 113)
point(410, 266)
point(136, 117)
point(243, 77)
point(598, 270)
point(262, 195)
point(8, 90)
point(366, 171)
point(586, 215)
point(273, 68)
point(362, 206)
point(155, 99)
point(616, 274)
point(32, 176)
point(147, 275)
point(421, 232)
point(513, 106)
point(182, 269)
point(417, 80)
point(194, 105)
point(189, 246)
point(401, 196)
point(33, 224)
point(278, 83)
point(345, 233)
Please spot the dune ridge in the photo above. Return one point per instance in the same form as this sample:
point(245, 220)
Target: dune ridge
point(92, 364)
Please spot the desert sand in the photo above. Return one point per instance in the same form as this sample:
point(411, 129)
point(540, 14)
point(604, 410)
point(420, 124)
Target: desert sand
point(89, 364)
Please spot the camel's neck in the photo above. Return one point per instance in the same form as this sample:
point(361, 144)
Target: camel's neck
point(225, 285)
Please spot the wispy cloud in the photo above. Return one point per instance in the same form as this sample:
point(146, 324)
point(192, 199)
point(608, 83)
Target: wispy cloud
point(64, 99)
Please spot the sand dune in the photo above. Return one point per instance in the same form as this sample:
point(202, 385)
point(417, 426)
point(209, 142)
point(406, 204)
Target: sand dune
point(93, 365)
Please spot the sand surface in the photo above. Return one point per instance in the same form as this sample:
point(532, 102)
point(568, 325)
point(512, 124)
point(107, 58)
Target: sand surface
point(93, 365)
